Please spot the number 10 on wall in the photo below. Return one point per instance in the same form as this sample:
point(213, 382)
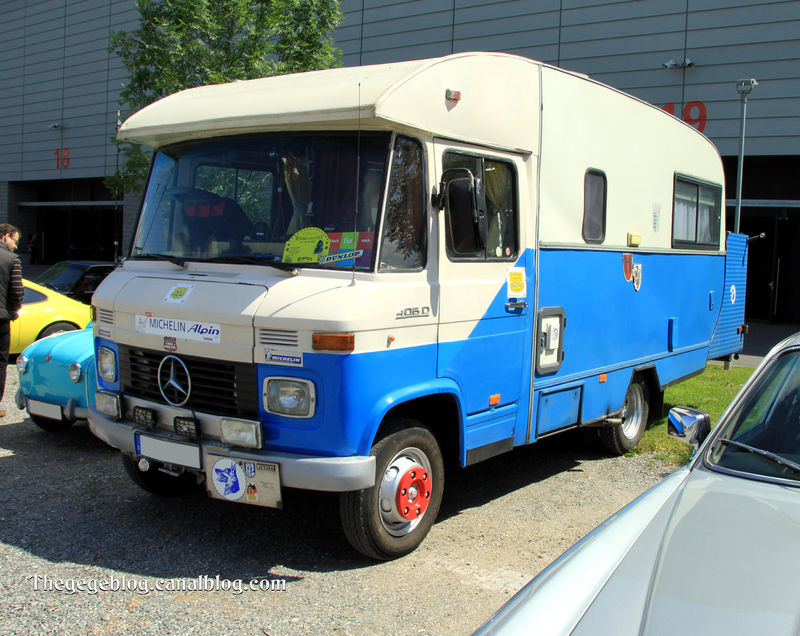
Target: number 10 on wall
point(62, 158)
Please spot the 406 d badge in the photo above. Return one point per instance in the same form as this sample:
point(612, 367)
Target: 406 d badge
point(413, 312)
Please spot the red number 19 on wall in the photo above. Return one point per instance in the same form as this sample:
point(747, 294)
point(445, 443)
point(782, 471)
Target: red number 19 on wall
point(694, 114)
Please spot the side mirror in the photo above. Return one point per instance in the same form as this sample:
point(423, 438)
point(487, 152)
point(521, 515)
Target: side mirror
point(468, 225)
point(688, 425)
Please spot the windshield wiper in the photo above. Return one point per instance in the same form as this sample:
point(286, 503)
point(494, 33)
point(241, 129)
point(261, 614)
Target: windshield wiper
point(267, 259)
point(788, 463)
point(175, 260)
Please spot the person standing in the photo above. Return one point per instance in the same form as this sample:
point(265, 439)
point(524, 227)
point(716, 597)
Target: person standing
point(11, 293)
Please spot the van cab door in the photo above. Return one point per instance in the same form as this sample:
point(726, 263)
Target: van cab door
point(486, 294)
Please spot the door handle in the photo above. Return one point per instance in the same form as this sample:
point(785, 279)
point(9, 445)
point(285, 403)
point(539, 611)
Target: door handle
point(517, 304)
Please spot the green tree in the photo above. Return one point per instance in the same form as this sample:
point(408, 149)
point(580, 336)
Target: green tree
point(186, 43)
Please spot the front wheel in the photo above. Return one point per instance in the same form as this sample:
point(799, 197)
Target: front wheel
point(391, 518)
point(618, 439)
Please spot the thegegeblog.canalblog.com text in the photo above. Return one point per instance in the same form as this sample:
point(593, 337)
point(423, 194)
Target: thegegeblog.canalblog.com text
point(123, 583)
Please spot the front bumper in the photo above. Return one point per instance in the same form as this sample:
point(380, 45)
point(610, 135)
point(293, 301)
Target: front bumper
point(70, 411)
point(309, 472)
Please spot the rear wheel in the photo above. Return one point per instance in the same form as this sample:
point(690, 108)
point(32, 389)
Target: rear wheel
point(46, 424)
point(618, 439)
point(391, 518)
point(157, 482)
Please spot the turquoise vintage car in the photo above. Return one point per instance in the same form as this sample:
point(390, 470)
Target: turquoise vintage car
point(57, 378)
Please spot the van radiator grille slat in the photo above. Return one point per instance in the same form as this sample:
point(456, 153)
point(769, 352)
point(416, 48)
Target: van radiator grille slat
point(105, 316)
point(278, 338)
point(218, 388)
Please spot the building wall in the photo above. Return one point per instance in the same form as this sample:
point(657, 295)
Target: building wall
point(623, 43)
point(59, 87)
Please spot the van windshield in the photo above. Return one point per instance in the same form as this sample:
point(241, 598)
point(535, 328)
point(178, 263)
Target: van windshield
point(299, 200)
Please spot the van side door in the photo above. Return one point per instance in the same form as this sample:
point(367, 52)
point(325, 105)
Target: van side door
point(486, 294)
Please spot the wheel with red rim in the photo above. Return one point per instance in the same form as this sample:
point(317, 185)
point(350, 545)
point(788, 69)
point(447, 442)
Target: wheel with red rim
point(391, 518)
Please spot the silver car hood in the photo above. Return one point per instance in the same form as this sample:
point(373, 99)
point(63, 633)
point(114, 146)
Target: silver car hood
point(720, 557)
point(701, 552)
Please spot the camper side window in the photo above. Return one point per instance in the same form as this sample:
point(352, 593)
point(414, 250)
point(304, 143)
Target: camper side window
point(496, 183)
point(696, 215)
point(594, 206)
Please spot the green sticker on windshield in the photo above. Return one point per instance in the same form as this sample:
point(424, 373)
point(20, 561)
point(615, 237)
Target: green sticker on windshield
point(306, 246)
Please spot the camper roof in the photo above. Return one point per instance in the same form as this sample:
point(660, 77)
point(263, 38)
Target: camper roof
point(498, 94)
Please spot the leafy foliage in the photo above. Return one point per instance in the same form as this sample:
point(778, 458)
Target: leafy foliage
point(187, 43)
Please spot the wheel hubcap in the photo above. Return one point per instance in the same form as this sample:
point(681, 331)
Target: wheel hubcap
point(632, 411)
point(405, 491)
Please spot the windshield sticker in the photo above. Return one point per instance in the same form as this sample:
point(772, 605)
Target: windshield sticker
point(347, 245)
point(341, 256)
point(178, 294)
point(289, 358)
point(517, 284)
point(180, 329)
point(306, 246)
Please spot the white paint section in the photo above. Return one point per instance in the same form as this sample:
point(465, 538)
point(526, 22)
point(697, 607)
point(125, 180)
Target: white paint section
point(587, 125)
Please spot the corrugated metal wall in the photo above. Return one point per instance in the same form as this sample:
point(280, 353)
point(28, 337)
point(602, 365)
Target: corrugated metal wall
point(55, 68)
point(59, 87)
point(624, 44)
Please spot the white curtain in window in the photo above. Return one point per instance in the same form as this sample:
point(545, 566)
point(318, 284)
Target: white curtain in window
point(684, 215)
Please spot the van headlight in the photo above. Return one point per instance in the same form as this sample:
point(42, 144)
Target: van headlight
point(289, 396)
point(107, 364)
point(240, 432)
point(22, 363)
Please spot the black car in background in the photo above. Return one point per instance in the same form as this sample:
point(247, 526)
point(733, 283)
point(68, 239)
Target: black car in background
point(76, 279)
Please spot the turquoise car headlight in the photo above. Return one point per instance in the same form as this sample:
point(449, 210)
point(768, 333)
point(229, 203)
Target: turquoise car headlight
point(75, 372)
point(107, 364)
point(22, 363)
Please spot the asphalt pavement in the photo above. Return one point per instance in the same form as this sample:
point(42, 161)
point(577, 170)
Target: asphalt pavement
point(761, 337)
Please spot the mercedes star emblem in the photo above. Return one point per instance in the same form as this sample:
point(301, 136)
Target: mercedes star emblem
point(174, 381)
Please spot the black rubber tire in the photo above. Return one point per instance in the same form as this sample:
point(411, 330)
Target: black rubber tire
point(51, 426)
point(618, 439)
point(364, 525)
point(158, 483)
point(56, 327)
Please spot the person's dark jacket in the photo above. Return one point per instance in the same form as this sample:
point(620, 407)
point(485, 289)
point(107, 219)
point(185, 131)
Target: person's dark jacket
point(11, 288)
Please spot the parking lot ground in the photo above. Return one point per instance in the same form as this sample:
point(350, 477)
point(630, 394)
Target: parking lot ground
point(68, 513)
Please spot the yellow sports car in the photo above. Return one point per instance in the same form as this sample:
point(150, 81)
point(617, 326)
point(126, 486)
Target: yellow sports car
point(45, 312)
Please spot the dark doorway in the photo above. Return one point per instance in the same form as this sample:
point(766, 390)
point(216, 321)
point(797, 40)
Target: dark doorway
point(773, 269)
point(77, 232)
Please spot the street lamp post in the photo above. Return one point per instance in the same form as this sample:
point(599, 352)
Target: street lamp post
point(744, 87)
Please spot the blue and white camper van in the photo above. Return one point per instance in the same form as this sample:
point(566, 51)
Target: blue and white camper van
point(339, 279)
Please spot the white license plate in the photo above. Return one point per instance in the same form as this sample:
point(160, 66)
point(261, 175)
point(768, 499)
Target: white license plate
point(256, 483)
point(163, 450)
point(52, 411)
